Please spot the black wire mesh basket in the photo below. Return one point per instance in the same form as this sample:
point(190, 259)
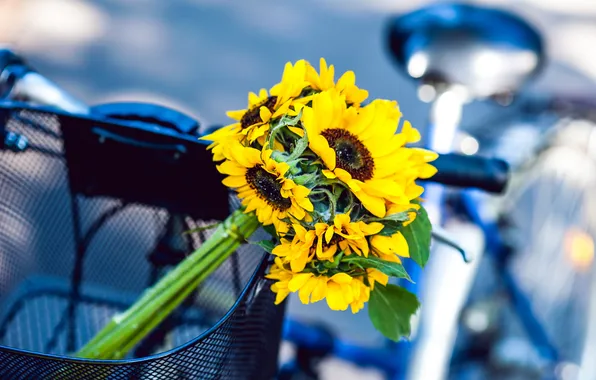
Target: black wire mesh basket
point(92, 212)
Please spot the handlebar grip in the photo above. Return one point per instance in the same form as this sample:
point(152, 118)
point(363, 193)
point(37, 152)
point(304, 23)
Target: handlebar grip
point(18, 81)
point(488, 174)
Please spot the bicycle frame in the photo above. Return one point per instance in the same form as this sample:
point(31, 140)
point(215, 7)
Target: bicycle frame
point(395, 358)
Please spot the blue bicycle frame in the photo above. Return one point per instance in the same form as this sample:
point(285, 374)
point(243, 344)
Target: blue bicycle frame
point(394, 358)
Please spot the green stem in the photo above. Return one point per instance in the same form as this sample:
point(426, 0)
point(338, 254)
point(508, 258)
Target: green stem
point(129, 328)
point(332, 201)
point(166, 310)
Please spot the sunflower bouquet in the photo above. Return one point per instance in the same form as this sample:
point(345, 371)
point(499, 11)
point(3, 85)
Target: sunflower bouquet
point(333, 182)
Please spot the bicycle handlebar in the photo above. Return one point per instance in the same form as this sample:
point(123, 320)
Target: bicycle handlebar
point(488, 174)
point(18, 81)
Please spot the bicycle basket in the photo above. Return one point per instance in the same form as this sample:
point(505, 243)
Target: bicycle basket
point(91, 214)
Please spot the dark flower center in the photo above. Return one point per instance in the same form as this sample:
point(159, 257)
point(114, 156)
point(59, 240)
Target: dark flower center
point(252, 116)
point(267, 187)
point(351, 154)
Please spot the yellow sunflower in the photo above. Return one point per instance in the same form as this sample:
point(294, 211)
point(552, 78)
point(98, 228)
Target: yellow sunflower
point(361, 148)
point(340, 290)
point(299, 251)
point(263, 187)
point(325, 241)
point(346, 84)
point(351, 236)
point(253, 122)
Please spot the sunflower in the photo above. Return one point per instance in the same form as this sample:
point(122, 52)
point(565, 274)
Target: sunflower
point(350, 236)
point(346, 84)
point(253, 122)
point(340, 290)
point(263, 187)
point(361, 148)
point(325, 240)
point(299, 251)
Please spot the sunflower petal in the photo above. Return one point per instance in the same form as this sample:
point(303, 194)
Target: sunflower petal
point(320, 146)
point(412, 134)
point(298, 264)
point(231, 168)
point(298, 281)
point(371, 228)
point(320, 290)
point(234, 181)
point(400, 245)
point(341, 278)
point(265, 114)
point(335, 297)
point(329, 174)
point(306, 290)
point(253, 99)
point(281, 296)
point(328, 234)
point(378, 276)
point(236, 114)
point(373, 204)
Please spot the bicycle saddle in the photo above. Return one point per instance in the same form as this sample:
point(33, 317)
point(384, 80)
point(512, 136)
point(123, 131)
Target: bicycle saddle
point(489, 51)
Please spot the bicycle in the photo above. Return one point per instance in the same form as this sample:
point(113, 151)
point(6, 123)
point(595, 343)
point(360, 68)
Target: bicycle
point(229, 329)
point(424, 45)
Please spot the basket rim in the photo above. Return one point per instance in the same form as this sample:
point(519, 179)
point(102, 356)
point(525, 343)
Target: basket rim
point(256, 275)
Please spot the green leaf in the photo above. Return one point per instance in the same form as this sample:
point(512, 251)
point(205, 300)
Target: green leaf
point(390, 228)
point(389, 268)
point(267, 245)
point(398, 217)
point(299, 147)
point(390, 310)
point(285, 121)
point(279, 156)
point(305, 178)
point(270, 229)
point(417, 235)
point(332, 207)
point(289, 121)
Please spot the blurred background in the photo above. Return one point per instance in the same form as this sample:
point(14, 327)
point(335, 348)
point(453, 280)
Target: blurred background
point(203, 56)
